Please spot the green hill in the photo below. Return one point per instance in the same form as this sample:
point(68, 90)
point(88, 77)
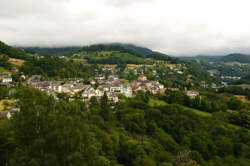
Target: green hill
point(119, 54)
point(12, 52)
point(142, 50)
point(242, 58)
point(56, 51)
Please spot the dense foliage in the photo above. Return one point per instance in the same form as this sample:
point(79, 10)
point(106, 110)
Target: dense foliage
point(56, 67)
point(244, 80)
point(51, 51)
point(235, 58)
point(50, 132)
point(12, 52)
point(4, 61)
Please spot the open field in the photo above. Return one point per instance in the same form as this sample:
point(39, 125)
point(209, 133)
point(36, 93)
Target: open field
point(198, 112)
point(18, 62)
point(235, 63)
point(153, 103)
point(213, 71)
point(4, 101)
point(245, 85)
point(242, 98)
point(2, 70)
point(108, 65)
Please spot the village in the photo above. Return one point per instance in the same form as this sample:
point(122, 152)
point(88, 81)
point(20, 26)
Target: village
point(112, 86)
point(78, 88)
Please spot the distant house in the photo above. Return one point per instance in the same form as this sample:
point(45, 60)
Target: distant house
point(92, 82)
point(192, 94)
point(14, 70)
point(34, 78)
point(126, 90)
point(113, 97)
point(142, 78)
point(88, 92)
point(115, 88)
point(112, 78)
point(8, 114)
point(6, 80)
point(100, 77)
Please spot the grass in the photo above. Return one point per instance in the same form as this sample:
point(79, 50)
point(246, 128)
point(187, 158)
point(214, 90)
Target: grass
point(156, 103)
point(2, 102)
point(213, 71)
point(2, 70)
point(17, 62)
point(242, 98)
point(198, 112)
point(245, 85)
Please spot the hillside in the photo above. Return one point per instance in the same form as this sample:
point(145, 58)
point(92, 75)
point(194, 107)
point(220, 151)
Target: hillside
point(155, 65)
point(241, 58)
point(118, 53)
point(12, 52)
point(142, 50)
point(10, 57)
point(56, 51)
point(243, 80)
point(226, 68)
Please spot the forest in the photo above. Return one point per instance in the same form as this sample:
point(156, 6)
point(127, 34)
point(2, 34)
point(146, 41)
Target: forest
point(50, 132)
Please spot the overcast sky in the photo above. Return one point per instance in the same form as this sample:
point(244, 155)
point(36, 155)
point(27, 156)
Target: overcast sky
point(175, 27)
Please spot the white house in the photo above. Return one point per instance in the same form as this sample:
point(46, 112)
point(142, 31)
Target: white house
point(7, 79)
point(192, 94)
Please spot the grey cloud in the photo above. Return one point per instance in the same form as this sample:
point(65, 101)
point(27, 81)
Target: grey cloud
point(162, 25)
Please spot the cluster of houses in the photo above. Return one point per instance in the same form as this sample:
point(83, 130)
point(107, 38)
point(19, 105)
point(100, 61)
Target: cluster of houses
point(5, 80)
point(112, 86)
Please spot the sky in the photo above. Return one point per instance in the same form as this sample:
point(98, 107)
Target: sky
point(174, 27)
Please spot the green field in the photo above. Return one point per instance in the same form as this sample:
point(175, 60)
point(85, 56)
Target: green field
point(213, 71)
point(155, 103)
point(2, 70)
point(198, 112)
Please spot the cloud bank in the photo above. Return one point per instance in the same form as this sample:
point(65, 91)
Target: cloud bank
point(177, 27)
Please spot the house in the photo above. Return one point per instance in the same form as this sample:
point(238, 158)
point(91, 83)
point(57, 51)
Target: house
point(100, 77)
point(192, 94)
point(92, 82)
point(57, 87)
point(8, 114)
point(104, 88)
point(180, 72)
point(126, 90)
point(113, 97)
point(135, 83)
point(23, 77)
point(88, 92)
point(99, 93)
point(112, 78)
point(115, 87)
point(34, 78)
point(6, 79)
point(14, 70)
point(142, 78)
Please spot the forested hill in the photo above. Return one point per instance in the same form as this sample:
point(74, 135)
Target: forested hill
point(142, 50)
point(12, 52)
point(235, 57)
point(242, 58)
point(56, 51)
point(120, 54)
